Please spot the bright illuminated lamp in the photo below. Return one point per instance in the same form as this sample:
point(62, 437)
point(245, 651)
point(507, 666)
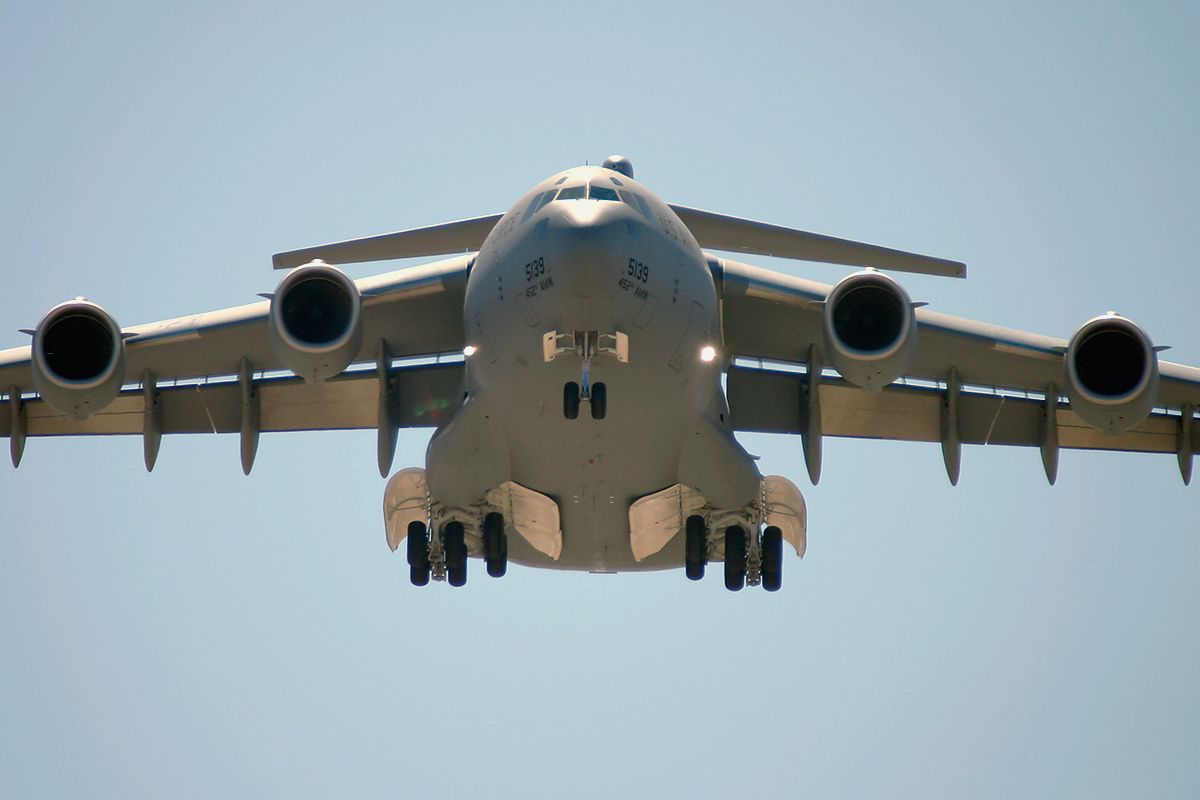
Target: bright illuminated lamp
point(469, 350)
point(708, 353)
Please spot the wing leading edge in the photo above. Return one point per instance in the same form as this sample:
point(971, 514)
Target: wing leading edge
point(735, 234)
point(969, 382)
point(461, 236)
point(224, 359)
point(416, 311)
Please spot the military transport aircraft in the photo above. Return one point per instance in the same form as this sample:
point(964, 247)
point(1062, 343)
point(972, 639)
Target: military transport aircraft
point(571, 357)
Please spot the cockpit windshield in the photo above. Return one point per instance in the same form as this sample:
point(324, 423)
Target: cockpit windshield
point(593, 192)
point(603, 193)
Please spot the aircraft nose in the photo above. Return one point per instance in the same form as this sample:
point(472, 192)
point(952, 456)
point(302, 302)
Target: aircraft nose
point(588, 239)
point(585, 213)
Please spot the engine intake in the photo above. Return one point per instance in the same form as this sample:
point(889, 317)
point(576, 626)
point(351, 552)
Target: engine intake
point(78, 358)
point(316, 321)
point(870, 329)
point(1112, 373)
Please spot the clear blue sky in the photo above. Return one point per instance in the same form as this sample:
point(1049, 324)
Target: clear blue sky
point(195, 633)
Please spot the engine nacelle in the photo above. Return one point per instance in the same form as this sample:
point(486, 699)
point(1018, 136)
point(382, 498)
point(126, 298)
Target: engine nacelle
point(316, 321)
point(870, 329)
point(1112, 373)
point(78, 358)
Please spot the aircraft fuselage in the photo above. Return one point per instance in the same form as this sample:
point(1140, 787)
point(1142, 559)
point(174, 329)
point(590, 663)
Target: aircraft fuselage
point(555, 285)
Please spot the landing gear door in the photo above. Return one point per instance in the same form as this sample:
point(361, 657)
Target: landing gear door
point(786, 510)
point(656, 518)
point(532, 514)
point(405, 500)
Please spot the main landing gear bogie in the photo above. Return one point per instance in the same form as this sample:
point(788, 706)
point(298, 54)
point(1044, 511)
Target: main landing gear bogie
point(419, 565)
point(495, 545)
point(455, 546)
point(746, 561)
point(736, 553)
point(695, 548)
point(771, 546)
point(445, 557)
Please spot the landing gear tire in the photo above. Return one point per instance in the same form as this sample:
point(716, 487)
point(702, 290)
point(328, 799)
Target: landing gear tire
point(571, 400)
point(418, 553)
point(735, 558)
point(695, 548)
point(455, 548)
point(599, 401)
point(772, 559)
point(495, 545)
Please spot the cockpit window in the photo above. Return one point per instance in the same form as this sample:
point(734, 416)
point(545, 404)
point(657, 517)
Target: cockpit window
point(572, 192)
point(603, 193)
point(635, 201)
point(545, 198)
point(617, 182)
point(560, 180)
point(537, 202)
point(643, 205)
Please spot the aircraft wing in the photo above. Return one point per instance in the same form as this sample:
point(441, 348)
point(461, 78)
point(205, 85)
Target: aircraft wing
point(464, 235)
point(196, 363)
point(739, 235)
point(1002, 381)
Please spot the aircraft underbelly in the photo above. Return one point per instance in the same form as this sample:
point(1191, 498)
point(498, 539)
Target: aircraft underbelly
point(595, 468)
point(595, 475)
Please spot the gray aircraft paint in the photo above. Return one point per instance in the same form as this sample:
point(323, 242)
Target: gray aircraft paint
point(607, 267)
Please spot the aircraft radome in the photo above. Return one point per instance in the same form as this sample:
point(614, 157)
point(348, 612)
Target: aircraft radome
point(570, 357)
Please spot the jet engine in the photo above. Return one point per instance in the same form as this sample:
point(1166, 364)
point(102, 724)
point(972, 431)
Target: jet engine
point(1112, 373)
point(78, 358)
point(870, 329)
point(316, 321)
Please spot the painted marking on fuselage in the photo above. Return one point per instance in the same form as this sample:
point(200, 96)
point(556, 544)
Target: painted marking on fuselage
point(535, 268)
point(635, 272)
point(545, 284)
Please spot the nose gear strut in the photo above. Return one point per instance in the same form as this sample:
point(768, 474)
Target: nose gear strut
point(588, 345)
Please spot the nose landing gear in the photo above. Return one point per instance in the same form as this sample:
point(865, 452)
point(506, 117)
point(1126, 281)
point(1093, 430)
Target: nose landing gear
point(599, 400)
point(595, 395)
point(588, 345)
point(571, 400)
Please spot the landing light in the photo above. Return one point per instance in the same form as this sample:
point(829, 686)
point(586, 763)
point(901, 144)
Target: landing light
point(708, 353)
point(469, 350)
